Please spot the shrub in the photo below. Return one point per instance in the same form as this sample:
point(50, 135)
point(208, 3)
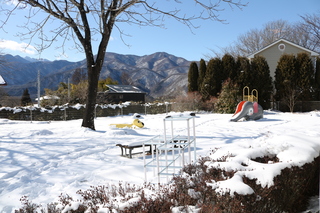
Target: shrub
point(290, 193)
point(228, 99)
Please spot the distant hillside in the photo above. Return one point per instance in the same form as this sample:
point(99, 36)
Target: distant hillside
point(158, 74)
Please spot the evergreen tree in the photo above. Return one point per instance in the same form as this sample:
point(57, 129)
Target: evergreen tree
point(213, 79)
point(193, 76)
point(305, 77)
point(202, 74)
point(286, 81)
point(317, 80)
point(229, 67)
point(285, 75)
point(262, 80)
point(294, 79)
point(244, 73)
point(25, 98)
point(228, 98)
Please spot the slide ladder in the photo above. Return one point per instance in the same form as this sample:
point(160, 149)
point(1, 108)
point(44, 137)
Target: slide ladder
point(246, 96)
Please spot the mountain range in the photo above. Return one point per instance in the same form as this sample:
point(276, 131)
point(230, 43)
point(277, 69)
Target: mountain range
point(159, 74)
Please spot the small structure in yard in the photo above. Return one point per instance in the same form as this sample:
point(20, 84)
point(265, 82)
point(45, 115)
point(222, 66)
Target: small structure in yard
point(168, 150)
point(248, 109)
point(121, 93)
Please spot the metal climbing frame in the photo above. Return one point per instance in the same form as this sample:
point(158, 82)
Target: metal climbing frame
point(246, 94)
point(168, 157)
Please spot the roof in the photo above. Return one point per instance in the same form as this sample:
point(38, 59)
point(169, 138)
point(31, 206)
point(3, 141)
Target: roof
point(48, 97)
point(2, 81)
point(123, 89)
point(285, 41)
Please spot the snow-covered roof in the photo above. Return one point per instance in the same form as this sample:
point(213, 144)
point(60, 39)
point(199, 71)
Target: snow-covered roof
point(123, 89)
point(2, 81)
point(285, 41)
point(48, 97)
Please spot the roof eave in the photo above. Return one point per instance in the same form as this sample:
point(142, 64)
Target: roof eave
point(286, 41)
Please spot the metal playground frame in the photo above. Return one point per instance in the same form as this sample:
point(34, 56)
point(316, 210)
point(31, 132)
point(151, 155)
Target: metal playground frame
point(169, 150)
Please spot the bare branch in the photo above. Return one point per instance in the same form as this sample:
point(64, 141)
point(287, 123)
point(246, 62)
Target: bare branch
point(87, 20)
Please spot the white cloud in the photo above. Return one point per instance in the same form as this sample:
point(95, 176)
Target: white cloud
point(15, 46)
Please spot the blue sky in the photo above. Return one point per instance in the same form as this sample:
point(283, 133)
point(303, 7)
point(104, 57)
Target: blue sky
point(176, 38)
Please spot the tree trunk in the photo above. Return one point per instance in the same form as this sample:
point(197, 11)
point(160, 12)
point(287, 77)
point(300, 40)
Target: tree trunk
point(94, 68)
point(93, 78)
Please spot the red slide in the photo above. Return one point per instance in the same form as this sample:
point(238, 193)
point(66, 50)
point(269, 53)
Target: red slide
point(239, 107)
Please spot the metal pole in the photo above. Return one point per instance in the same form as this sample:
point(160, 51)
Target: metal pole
point(166, 108)
point(39, 88)
point(194, 138)
point(158, 170)
point(30, 113)
point(145, 109)
point(68, 90)
point(95, 111)
point(65, 113)
point(144, 162)
point(188, 129)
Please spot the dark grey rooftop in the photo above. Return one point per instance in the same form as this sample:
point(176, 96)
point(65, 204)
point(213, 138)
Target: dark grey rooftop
point(123, 89)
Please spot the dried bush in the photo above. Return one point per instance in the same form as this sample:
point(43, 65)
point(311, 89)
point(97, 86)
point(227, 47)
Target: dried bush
point(27, 206)
point(290, 192)
point(193, 101)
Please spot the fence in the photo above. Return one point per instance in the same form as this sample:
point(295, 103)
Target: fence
point(300, 106)
point(76, 112)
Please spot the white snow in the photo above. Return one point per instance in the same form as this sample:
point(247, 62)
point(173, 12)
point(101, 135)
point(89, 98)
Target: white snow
point(2, 82)
point(48, 97)
point(44, 159)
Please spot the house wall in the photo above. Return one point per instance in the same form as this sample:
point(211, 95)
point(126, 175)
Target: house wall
point(273, 55)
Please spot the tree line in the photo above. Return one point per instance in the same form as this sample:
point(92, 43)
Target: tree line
point(221, 80)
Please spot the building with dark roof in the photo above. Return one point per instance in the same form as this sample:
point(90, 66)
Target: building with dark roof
point(121, 93)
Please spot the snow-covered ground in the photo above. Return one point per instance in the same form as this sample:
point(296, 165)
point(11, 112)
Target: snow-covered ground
point(44, 159)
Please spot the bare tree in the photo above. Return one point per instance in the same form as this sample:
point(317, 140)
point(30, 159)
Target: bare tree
point(78, 75)
point(291, 95)
point(311, 26)
point(305, 33)
point(84, 21)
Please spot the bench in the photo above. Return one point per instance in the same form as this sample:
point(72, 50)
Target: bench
point(127, 148)
point(130, 148)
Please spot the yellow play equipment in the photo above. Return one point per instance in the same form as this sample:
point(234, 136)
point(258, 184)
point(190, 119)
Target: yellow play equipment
point(246, 94)
point(135, 123)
